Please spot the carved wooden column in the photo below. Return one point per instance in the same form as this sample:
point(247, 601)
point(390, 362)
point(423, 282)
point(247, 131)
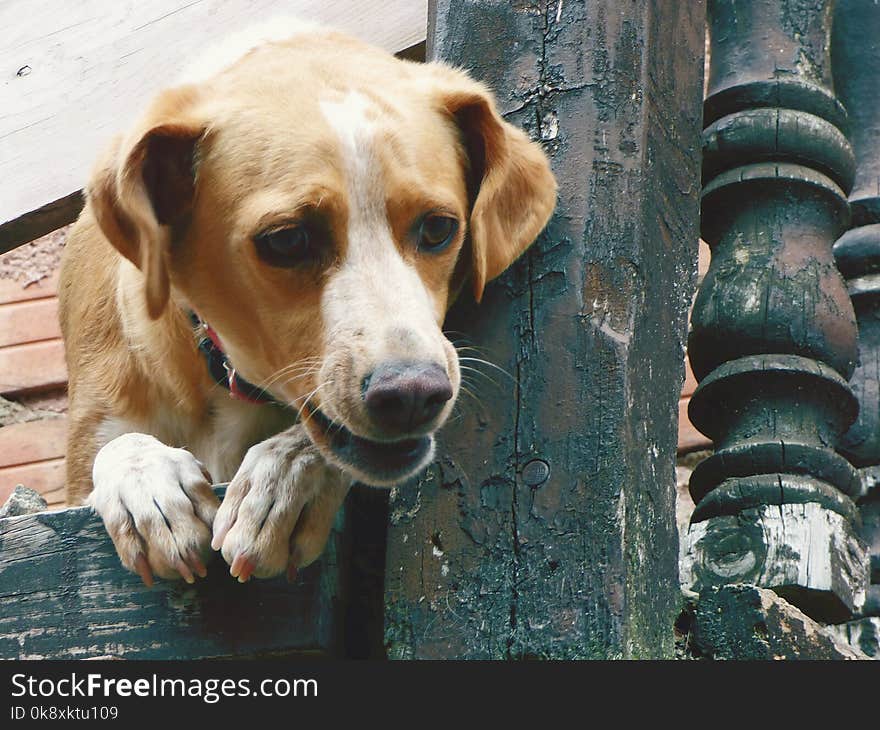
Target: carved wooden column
point(773, 339)
point(855, 52)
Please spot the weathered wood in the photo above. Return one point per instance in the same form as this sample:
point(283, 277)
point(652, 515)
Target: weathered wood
point(77, 73)
point(862, 635)
point(804, 552)
point(855, 54)
point(773, 335)
point(64, 594)
point(486, 560)
point(748, 623)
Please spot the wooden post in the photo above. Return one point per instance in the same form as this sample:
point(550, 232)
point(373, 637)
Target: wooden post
point(546, 526)
point(773, 337)
point(855, 55)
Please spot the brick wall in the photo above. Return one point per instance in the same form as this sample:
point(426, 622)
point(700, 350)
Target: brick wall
point(33, 376)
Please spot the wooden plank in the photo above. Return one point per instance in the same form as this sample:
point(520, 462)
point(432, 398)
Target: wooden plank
point(45, 477)
point(689, 439)
point(77, 73)
point(32, 367)
point(12, 290)
point(23, 443)
point(31, 321)
point(63, 594)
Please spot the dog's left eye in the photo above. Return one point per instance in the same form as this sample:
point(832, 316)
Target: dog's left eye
point(286, 247)
point(436, 231)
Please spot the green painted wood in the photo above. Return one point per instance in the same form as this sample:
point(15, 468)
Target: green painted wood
point(64, 595)
point(855, 56)
point(773, 337)
point(490, 555)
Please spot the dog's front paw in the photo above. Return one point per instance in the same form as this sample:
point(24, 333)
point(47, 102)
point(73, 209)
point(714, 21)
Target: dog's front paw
point(157, 504)
point(279, 508)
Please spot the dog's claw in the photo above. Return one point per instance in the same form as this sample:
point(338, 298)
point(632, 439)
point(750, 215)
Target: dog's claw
point(241, 568)
point(247, 570)
point(185, 572)
point(142, 568)
point(219, 536)
point(198, 567)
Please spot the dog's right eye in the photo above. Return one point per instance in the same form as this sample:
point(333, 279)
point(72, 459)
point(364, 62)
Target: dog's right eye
point(286, 247)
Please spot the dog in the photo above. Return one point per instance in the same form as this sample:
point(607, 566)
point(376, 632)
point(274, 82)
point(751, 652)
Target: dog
point(255, 290)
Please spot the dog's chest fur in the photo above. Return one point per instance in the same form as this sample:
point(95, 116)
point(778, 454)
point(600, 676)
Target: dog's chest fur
point(219, 440)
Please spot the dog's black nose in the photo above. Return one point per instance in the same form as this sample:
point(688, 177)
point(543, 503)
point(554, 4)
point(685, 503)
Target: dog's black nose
point(401, 397)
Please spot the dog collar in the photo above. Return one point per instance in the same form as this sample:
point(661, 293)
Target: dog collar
point(221, 369)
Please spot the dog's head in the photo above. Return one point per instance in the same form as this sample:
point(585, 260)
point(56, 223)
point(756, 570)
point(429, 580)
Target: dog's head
point(320, 203)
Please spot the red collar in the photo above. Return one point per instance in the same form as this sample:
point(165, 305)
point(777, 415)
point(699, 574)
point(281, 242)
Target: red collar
point(221, 369)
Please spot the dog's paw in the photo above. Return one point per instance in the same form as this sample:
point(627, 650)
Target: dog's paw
point(157, 504)
point(279, 508)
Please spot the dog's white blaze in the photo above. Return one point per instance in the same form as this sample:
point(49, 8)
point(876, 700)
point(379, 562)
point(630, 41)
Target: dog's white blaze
point(375, 282)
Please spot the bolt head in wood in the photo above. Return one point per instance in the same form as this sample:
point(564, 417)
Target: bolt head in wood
point(536, 472)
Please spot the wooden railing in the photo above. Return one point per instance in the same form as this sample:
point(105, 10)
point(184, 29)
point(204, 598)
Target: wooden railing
point(774, 339)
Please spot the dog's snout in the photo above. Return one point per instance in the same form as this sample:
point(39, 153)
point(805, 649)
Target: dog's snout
point(401, 397)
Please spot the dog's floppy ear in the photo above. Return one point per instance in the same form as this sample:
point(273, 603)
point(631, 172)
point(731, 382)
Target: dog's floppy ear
point(512, 190)
point(146, 185)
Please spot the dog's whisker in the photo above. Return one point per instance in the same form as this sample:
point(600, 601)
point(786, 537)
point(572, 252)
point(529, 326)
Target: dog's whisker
point(307, 362)
point(478, 404)
point(478, 387)
point(299, 376)
point(307, 398)
point(298, 366)
point(469, 348)
point(490, 364)
point(492, 380)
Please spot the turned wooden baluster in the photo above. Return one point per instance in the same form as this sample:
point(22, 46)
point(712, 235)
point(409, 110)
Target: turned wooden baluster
point(773, 337)
point(855, 53)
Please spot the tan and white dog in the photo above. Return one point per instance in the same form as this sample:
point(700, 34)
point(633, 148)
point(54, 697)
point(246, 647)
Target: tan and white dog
point(313, 204)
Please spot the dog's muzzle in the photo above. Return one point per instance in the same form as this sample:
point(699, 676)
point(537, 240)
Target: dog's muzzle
point(404, 403)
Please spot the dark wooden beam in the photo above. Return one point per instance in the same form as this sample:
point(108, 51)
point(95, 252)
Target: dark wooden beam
point(546, 527)
point(64, 595)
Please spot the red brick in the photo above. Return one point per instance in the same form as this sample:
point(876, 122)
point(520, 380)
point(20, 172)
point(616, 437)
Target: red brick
point(23, 443)
point(690, 382)
point(30, 321)
point(18, 291)
point(45, 477)
point(689, 439)
point(32, 367)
